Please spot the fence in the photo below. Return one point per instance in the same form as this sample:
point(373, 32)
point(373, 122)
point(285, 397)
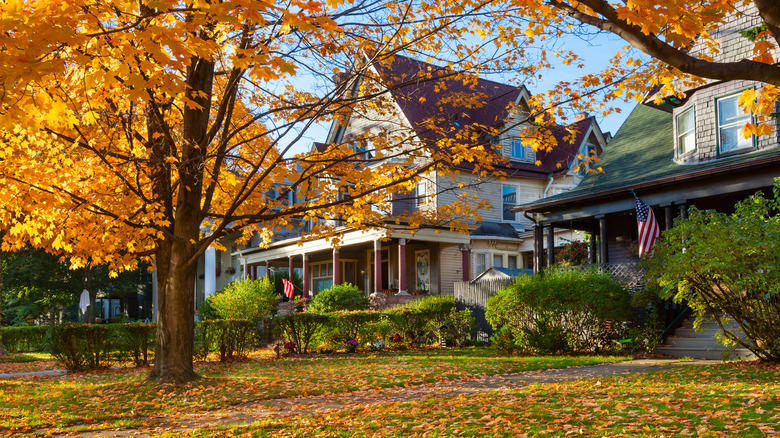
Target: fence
point(474, 296)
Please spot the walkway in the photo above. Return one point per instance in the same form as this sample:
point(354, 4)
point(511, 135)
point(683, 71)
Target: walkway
point(286, 407)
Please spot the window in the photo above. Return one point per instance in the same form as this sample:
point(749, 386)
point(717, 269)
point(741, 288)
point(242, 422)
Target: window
point(421, 193)
point(480, 263)
point(508, 201)
point(686, 135)
point(512, 262)
point(731, 119)
point(518, 149)
point(498, 260)
point(321, 276)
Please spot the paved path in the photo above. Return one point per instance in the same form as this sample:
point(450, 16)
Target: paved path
point(32, 373)
point(279, 408)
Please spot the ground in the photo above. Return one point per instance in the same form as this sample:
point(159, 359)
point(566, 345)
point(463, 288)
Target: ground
point(443, 392)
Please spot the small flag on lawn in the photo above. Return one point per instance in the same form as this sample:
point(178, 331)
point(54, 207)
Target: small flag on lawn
point(289, 291)
point(648, 226)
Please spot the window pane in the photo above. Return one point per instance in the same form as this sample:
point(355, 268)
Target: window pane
point(330, 269)
point(731, 139)
point(518, 150)
point(498, 260)
point(686, 135)
point(731, 119)
point(509, 200)
point(512, 262)
point(479, 264)
point(685, 121)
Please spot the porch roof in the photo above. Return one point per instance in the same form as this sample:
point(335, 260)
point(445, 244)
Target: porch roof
point(640, 158)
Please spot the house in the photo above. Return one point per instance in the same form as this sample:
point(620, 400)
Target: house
point(680, 153)
point(431, 259)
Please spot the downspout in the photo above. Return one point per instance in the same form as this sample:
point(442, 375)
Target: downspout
point(546, 189)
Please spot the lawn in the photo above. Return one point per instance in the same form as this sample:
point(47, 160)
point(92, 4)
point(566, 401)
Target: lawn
point(124, 398)
point(718, 400)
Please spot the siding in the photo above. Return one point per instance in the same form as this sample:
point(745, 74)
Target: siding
point(450, 269)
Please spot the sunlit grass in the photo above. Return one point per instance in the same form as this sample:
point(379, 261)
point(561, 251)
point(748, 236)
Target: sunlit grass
point(126, 394)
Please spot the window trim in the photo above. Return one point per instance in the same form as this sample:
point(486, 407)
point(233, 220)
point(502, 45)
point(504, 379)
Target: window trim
point(737, 150)
point(517, 197)
point(678, 135)
point(419, 199)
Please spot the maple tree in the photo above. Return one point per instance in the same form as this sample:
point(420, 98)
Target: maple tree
point(146, 131)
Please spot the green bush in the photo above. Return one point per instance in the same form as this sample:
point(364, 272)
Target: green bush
point(134, 341)
point(456, 328)
point(80, 347)
point(561, 311)
point(726, 267)
point(417, 318)
point(229, 337)
point(345, 325)
point(299, 328)
point(339, 297)
point(245, 299)
point(24, 339)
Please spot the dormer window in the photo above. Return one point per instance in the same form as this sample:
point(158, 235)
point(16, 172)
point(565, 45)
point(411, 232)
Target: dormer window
point(731, 119)
point(686, 133)
point(518, 149)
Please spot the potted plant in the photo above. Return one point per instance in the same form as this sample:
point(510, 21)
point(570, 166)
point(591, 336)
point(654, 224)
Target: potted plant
point(299, 302)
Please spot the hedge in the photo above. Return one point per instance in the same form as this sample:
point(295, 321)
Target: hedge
point(229, 337)
point(24, 339)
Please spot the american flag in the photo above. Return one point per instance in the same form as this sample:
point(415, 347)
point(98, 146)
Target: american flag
point(289, 291)
point(648, 226)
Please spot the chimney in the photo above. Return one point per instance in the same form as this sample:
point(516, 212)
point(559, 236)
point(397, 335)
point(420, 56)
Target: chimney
point(581, 116)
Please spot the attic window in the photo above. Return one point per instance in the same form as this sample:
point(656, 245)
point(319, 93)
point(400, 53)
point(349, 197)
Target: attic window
point(686, 135)
point(731, 119)
point(518, 149)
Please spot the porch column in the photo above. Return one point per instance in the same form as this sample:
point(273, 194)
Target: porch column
point(550, 246)
point(243, 265)
point(336, 266)
point(538, 248)
point(603, 250)
point(210, 272)
point(267, 269)
point(306, 277)
point(402, 267)
point(684, 211)
point(465, 260)
point(668, 217)
point(290, 268)
point(377, 266)
point(592, 256)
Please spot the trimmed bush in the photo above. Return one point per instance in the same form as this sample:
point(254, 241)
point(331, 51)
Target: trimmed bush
point(299, 328)
point(456, 328)
point(134, 340)
point(229, 337)
point(24, 339)
point(80, 347)
point(245, 299)
point(420, 317)
point(342, 326)
point(561, 311)
point(339, 297)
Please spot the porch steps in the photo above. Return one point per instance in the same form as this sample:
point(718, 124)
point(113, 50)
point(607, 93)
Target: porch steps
point(702, 344)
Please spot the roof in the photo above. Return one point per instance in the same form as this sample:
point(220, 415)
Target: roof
point(494, 229)
point(641, 155)
point(418, 89)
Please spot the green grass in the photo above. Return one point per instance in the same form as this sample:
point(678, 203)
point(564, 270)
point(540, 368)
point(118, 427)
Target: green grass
point(25, 357)
point(722, 400)
point(111, 399)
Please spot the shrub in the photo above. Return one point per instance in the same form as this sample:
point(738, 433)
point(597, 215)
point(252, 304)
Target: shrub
point(23, 339)
point(561, 311)
point(726, 266)
point(339, 297)
point(80, 347)
point(230, 337)
point(299, 328)
point(573, 253)
point(245, 299)
point(456, 328)
point(134, 340)
point(345, 325)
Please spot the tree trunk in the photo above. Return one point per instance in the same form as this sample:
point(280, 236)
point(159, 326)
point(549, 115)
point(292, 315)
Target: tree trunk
point(175, 316)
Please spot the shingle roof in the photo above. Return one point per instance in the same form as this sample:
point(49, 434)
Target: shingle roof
point(641, 154)
point(418, 89)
